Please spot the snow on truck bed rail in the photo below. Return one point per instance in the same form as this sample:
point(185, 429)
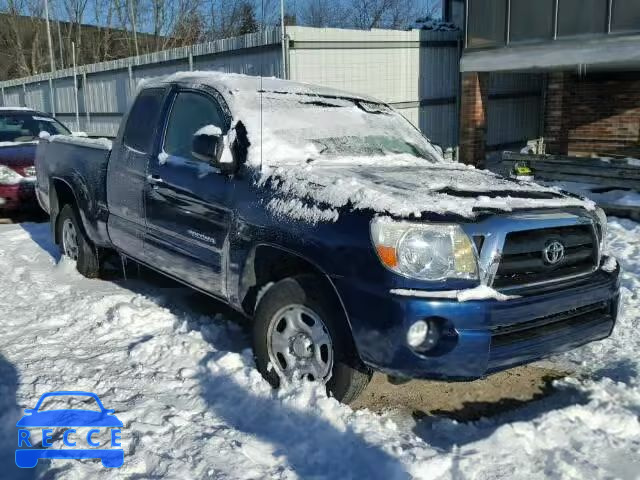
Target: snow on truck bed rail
point(184, 384)
point(103, 143)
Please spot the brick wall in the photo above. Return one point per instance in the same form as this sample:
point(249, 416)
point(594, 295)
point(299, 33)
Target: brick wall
point(473, 117)
point(594, 114)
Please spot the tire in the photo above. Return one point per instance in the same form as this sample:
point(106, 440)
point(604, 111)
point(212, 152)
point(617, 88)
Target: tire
point(84, 253)
point(307, 294)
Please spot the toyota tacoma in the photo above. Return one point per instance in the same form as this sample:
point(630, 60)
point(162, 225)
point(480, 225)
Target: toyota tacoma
point(337, 228)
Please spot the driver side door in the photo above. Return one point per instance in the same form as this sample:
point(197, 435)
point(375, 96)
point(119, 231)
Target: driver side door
point(187, 200)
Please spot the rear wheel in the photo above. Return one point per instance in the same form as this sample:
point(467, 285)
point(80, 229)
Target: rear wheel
point(75, 244)
point(300, 333)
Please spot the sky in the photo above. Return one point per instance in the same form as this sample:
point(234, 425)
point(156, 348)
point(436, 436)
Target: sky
point(57, 8)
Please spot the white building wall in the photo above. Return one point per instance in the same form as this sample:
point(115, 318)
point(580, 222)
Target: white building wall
point(414, 71)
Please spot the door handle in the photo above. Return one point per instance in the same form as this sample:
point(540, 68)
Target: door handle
point(155, 180)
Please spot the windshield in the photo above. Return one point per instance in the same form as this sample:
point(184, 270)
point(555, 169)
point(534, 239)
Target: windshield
point(368, 145)
point(26, 126)
point(309, 128)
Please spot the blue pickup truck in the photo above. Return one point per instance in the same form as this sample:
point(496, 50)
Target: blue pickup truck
point(327, 219)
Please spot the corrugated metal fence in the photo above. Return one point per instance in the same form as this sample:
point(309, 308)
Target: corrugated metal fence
point(415, 71)
point(105, 89)
point(514, 111)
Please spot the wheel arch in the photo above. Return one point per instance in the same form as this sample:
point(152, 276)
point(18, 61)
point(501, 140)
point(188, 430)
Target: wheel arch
point(60, 194)
point(268, 263)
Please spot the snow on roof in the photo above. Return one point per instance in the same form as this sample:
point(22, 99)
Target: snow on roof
point(434, 24)
point(236, 82)
point(23, 109)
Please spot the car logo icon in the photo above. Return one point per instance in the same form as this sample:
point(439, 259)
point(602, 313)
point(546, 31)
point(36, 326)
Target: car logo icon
point(27, 457)
point(553, 252)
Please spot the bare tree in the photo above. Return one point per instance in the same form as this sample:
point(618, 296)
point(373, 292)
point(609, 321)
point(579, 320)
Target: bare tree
point(75, 14)
point(322, 13)
point(13, 9)
point(397, 14)
point(100, 47)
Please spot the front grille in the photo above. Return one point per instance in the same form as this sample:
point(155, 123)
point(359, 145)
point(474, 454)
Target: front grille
point(520, 343)
point(523, 259)
point(508, 334)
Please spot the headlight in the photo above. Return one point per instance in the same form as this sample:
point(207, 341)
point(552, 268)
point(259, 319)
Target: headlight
point(601, 218)
point(424, 251)
point(9, 176)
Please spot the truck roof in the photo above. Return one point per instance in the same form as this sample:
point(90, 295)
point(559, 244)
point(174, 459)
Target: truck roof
point(235, 82)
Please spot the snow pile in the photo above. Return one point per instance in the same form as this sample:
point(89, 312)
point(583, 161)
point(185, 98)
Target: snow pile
point(600, 195)
point(103, 143)
point(435, 25)
point(193, 405)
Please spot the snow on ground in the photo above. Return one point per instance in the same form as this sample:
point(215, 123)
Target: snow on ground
point(184, 384)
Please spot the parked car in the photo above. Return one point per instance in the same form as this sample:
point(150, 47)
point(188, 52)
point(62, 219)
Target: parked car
point(19, 131)
point(336, 227)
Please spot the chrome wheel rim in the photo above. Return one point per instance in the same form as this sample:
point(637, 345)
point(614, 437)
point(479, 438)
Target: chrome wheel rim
point(299, 345)
point(70, 240)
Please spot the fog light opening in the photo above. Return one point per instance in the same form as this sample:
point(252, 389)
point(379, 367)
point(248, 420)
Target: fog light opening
point(424, 335)
point(417, 333)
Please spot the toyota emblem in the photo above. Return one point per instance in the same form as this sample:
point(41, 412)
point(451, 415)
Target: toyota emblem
point(553, 252)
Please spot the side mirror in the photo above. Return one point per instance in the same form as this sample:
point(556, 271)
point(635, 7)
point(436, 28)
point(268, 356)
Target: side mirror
point(206, 143)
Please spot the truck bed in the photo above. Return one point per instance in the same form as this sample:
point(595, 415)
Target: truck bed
point(81, 164)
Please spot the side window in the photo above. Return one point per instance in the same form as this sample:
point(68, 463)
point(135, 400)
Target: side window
point(190, 112)
point(138, 133)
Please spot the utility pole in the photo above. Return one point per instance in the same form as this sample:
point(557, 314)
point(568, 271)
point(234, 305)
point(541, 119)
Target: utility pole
point(75, 84)
point(46, 14)
point(60, 46)
point(133, 26)
point(283, 40)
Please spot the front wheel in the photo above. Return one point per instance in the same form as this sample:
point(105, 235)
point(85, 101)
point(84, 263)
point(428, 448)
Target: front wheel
point(300, 333)
point(75, 244)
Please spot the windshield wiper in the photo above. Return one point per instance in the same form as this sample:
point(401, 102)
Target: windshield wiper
point(320, 103)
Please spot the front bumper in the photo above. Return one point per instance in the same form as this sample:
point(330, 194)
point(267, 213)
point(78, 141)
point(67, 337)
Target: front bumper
point(18, 197)
point(485, 336)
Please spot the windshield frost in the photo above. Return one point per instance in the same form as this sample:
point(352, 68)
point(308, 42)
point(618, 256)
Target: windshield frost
point(306, 128)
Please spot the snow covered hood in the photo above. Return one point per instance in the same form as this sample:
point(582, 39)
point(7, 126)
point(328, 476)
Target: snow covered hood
point(406, 190)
